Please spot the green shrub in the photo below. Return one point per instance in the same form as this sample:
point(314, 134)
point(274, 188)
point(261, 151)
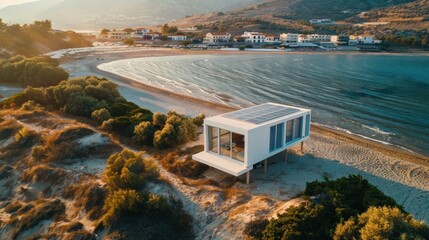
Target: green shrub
point(177, 130)
point(24, 135)
point(255, 228)
point(119, 202)
point(100, 115)
point(382, 223)
point(82, 105)
point(199, 120)
point(143, 133)
point(30, 105)
point(129, 170)
point(331, 202)
point(159, 120)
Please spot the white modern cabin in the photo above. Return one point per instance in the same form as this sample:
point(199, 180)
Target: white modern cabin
point(234, 142)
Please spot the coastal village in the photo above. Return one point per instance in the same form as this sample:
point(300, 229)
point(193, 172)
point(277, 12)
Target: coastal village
point(185, 38)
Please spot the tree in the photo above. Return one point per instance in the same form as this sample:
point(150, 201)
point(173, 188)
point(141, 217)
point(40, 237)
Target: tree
point(100, 115)
point(129, 170)
point(382, 223)
point(172, 29)
point(144, 132)
point(159, 120)
point(82, 105)
point(120, 202)
point(128, 30)
point(425, 40)
point(164, 29)
point(129, 41)
point(199, 120)
point(105, 31)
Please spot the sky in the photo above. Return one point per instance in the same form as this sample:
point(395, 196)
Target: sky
point(4, 3)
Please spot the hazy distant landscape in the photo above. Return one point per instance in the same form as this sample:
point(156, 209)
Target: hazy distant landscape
point(96, 14)
point(229, 119)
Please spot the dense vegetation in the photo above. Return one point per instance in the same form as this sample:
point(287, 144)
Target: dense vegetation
point(35, 72)
point(99, 99)
point(382, 223)
point(34, 39)
point(329, 204)
point(132, 212)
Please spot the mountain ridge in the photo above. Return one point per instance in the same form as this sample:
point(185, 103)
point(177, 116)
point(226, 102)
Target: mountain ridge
point(97, 14)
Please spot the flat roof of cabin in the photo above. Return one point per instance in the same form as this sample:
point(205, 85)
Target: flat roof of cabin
point(258, 115)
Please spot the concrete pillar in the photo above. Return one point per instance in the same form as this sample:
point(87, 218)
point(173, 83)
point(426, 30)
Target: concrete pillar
point(265, 166)
point(302, 146)
point(248, 177)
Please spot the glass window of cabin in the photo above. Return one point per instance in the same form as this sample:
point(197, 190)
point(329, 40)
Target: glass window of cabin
point(225, 142)
point(297, 128)
point(289, 131)
point(213, 139)
point(272, 138)
point(279, 135)
point(238, 147)
point(307, 125)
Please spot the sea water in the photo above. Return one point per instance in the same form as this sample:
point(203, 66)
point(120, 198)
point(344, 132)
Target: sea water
point(381, 97)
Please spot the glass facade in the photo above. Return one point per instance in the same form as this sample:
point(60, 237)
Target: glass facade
point(226, 143)
point(276, 136)
point(289, 131)
point(272, 138)
point(307, 125)
point(297, 128)
point(213, 139)
point(279, 136)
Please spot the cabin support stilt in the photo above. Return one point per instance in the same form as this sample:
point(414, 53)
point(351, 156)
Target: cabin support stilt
point(265, 166)
point(248, 177)
point(286, 155)
point(302, 146)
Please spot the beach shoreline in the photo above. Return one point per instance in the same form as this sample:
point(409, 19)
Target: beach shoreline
point(213, 108)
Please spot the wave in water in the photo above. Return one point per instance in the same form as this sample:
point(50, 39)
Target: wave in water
point(380, 97)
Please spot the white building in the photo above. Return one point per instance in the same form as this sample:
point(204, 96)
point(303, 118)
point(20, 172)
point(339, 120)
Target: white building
point(303, 39)
point(362, 39)
point(340, 39)
point(234, 142)
point(253, 37)
point(118, 34)
point(272, 39)
point(217, 37)
point(140, 32)
point(289, 38)
point(320, 21)
point(178, 37)
point(318, 38)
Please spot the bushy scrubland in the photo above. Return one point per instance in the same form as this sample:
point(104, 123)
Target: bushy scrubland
point(38, 71)
point(131, 210)
point(99, 99)
point(341, 209)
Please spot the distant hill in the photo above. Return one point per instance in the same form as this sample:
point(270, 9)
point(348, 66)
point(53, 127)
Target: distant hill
point(285, 15)
point(96, 14)
point(37, 38)
point(414, 15)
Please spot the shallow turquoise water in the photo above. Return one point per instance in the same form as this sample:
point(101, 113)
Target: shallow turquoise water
point(381, 97)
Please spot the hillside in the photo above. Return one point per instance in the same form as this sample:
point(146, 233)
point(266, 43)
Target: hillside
point(36, 38)
point(292, 16)
point(97, 14)
point(414, 15)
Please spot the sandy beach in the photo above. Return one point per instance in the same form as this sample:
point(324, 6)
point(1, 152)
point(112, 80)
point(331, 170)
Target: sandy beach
point(400, 174)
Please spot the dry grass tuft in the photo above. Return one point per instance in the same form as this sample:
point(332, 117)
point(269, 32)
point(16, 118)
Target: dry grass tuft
point(61, 147)
point(44, 173)
point(89, 196)
point(183, 166)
